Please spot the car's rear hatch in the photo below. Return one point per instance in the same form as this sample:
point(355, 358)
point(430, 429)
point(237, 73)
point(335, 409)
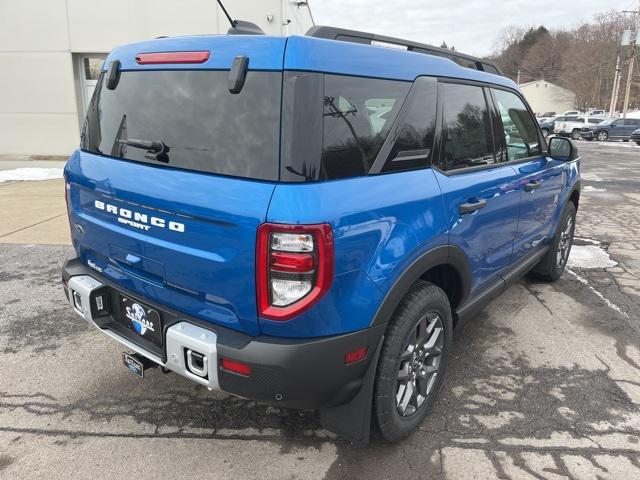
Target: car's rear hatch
point(176, 173)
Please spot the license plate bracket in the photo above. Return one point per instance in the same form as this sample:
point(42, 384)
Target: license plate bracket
point(141, 319)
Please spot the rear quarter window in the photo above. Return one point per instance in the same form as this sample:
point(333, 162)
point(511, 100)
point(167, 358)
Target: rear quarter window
point(334, 126)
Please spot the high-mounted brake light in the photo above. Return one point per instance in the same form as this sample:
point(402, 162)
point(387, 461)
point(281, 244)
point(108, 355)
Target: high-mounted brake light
point(294, 268)
point(172, 57)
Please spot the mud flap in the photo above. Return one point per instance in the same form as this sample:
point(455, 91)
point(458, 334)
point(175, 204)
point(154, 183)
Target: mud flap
point(352, 421)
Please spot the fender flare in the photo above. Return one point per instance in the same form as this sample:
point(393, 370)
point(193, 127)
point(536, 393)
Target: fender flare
point(577, 187)
point(443, 255)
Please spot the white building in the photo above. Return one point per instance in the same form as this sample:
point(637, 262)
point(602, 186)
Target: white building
point(51, 52)
point(544, 97)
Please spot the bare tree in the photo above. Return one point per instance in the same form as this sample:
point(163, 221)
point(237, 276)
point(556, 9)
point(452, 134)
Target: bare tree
point(581, 59)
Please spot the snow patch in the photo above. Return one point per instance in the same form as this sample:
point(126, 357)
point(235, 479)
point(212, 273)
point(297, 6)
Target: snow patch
point(589, 256)
point(616, 144)
point(592, 177)
point(589, 188)
point(30, 174)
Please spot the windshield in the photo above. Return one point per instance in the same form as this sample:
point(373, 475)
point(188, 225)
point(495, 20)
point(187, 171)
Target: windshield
point(189, 119)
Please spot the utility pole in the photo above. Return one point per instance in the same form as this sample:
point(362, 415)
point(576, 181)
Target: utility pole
point(614, 88)
point(518, 81)
point(632, 58)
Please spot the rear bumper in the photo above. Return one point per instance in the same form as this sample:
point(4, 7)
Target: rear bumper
point(295, 373)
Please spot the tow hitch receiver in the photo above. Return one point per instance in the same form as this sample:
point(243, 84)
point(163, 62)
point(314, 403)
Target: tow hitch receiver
point(137, 364)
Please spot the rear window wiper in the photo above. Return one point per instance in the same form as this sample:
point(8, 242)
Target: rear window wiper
point(156, 150)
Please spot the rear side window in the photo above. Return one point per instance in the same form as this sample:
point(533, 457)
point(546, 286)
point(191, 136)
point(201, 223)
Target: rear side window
point(413, 141)
point(595, 120)
point(520, 131)
point(334, 126)
point(466, 128)
point(358, 114)
point(202, 126)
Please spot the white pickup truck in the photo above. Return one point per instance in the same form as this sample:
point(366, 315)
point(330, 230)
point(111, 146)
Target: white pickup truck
point(571, 128)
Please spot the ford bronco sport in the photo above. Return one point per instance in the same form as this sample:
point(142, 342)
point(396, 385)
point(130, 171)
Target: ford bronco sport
point(304, 220)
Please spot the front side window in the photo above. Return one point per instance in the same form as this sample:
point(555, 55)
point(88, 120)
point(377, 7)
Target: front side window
point(467, 134)
point(520, 132)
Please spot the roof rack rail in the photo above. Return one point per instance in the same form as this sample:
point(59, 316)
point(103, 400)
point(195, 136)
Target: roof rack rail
point(345, 35)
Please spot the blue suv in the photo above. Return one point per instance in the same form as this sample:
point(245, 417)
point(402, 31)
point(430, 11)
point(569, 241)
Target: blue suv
point(304, 220)
point(613, 129)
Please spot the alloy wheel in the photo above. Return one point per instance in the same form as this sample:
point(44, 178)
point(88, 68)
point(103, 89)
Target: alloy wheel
point(564, 246)
point(420, 363)
point(602, 136)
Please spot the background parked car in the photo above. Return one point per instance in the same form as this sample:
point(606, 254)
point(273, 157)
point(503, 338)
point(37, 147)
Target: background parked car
point(635, 136)
point(573, 127)
point(572, 113)
point(548, 126)
point(613, 129)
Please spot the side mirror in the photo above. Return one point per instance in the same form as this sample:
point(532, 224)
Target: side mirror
point(562, 149)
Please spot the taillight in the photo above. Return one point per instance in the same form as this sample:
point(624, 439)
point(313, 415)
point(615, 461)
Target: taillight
point(294, 268)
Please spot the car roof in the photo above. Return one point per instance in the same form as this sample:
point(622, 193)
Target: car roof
point(303, 53)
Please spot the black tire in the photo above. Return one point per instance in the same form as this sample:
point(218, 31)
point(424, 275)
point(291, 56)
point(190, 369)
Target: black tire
point(638, 143)
point(625, 139)
point(425, 306)
point(575, 134)
point(552, 265)
point(545, 132)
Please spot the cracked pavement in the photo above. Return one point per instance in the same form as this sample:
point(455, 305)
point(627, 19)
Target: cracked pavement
point(543, 384)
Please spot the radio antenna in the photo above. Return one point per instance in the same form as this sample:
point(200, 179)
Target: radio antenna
point(231, 21)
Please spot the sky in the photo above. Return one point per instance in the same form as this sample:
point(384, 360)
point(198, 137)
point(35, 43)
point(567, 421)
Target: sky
point(473, 27)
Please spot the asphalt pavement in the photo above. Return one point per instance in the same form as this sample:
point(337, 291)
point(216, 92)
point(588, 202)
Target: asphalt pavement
point(543, 384)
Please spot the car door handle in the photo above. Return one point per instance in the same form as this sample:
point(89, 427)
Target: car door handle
point(472, 206)
point(531, 186)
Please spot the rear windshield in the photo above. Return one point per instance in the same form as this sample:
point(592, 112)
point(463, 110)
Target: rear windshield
point(201, 125)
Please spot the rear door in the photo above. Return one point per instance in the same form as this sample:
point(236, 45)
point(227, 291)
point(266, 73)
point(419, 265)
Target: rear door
point(617, 129)
point(480, 194)
point(630, 126)
point(174, 176)
point(540, 178)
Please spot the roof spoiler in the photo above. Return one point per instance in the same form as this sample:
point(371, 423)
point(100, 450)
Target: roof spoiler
point(353, 36)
